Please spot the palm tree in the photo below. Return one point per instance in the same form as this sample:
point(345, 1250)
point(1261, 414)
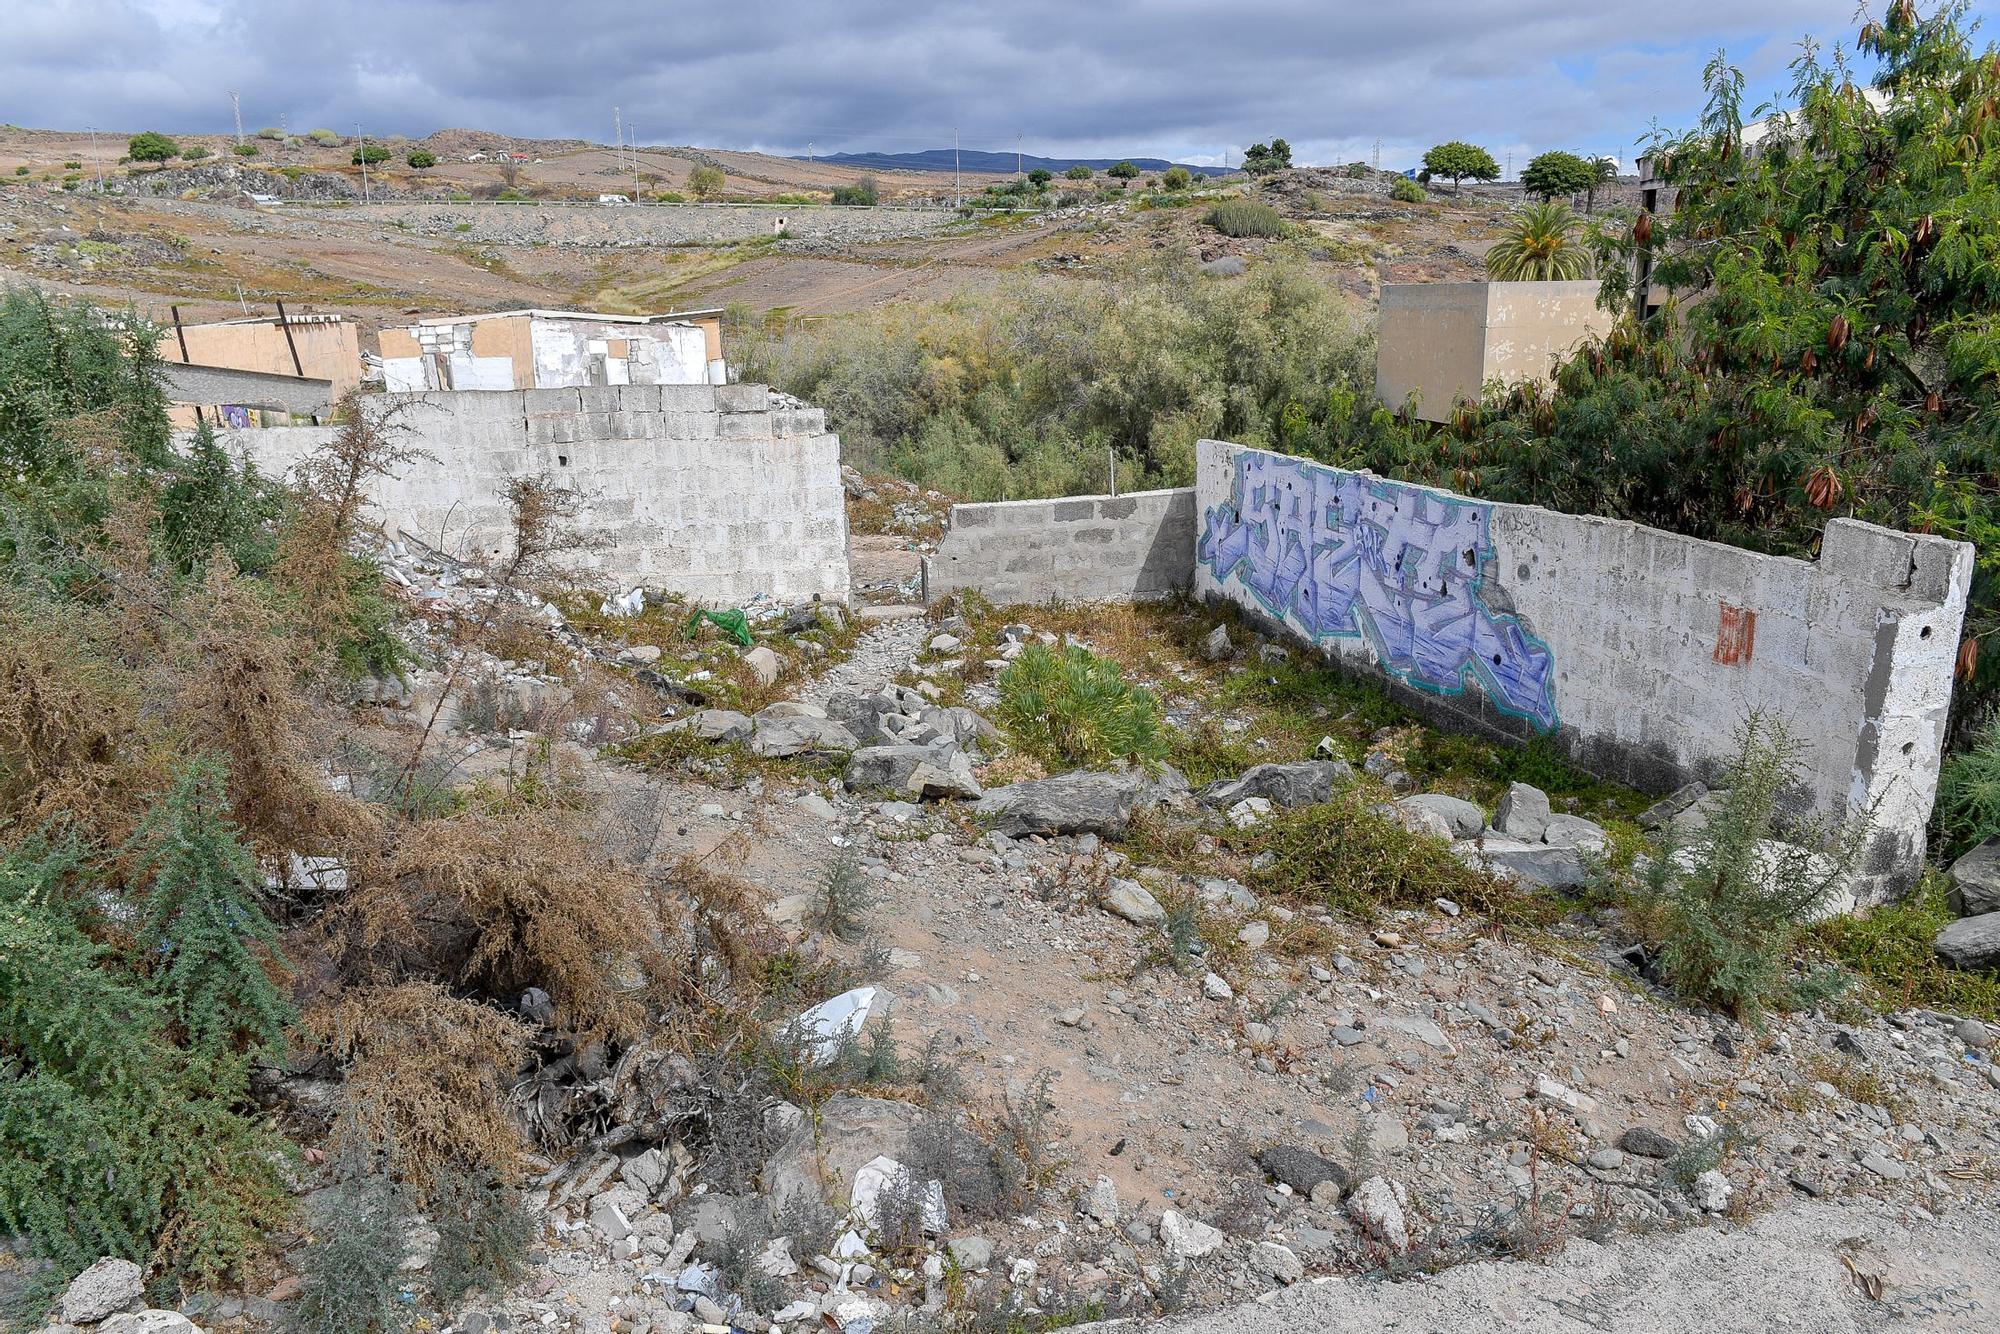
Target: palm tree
point(1603, 172)
point(1540, 246)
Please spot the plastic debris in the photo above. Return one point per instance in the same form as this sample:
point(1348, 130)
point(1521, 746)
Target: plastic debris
point(625, 604)
point(827, 1026)
point(731, 622)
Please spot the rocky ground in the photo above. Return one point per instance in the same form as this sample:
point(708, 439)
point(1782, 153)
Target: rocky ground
point(1218, 1092)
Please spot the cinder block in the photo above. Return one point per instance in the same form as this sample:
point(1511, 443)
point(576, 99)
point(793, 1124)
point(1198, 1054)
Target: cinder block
point(687, 398)
point(743, 397)
point(745, 426)
point(1068, 511)
point(539, 402)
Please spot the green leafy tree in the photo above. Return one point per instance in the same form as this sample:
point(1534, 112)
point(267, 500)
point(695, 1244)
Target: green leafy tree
point(369, 153)
point(151, 146)
point(1040, 177)
point(1407, 191)
point(1460, 160)
point(1079, 173)
point(707, 182)
point(1122, 171)
point(1557, 175)
point(212, 949)
point(421, 159)
point(1540, 245)
point(209, 501)
point(1603, 172)
point(195, 152)
point(1176, 179)
point(863, 193)
point(1263, 159)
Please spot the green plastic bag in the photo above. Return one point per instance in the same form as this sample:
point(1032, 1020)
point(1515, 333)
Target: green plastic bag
point(732, 623)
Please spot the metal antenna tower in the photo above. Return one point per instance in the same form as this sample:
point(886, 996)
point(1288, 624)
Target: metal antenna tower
point(236, 108)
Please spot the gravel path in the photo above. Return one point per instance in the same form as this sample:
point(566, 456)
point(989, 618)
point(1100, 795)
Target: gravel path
point(1782, 1272)
point(883, 650)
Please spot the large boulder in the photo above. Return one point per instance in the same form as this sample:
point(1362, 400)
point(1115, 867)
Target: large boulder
point(714, 725)
point(1288, 785)
point(1971, 942)
point(1530, 863)
point(1523, 812)
point(1084, 802)
point(107, 1287)
point(783, 736)
point(1975, 880)
point(936, 770)
point(1466, 820)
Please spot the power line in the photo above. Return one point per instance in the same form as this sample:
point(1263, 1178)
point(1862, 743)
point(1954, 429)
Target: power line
point(236, 109)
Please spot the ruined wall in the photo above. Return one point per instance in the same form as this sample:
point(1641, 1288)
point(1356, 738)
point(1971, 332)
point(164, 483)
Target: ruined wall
point(1080, 549)
point(716, 492)
point(1637, 651)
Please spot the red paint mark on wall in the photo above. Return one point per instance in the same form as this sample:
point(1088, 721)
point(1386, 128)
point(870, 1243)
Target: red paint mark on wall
point(1736, 636)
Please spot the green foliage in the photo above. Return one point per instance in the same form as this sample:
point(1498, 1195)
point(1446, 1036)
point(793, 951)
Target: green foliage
point(352, 1261)
point(1078, 173)
point(1263, 159)
point(1890, 951)
point(1122, 171)
point(1352, 858)
point(209, 501)
point(246, 150)
point(195, 152)
point(1245, 217)
point(1075, 708)
point(708, 182)
point(1539, 246)
point(211, 950)
point(1968, 808)
point(862, 192)
point(484, 1233)
point(1734, 902)
point(1458, 160)
point(272, 133)
point(1040, 177)
point(324, 138)
point(114, 1141)
point(1557, 173)
point(1176, 178)
point(421, 159)
point(21, 171)
point(369, 153)
point(1026, 390)
point(151, 147)
point(1407, 191)
point(844, 899)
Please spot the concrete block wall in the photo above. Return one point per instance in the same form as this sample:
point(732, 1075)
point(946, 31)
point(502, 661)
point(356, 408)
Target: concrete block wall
point(720, 493)
point(1075, 549)
point(1638, 652)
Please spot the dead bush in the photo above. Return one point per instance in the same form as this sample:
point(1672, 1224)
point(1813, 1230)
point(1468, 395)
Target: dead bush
point(500, 901)
point(425, 1075)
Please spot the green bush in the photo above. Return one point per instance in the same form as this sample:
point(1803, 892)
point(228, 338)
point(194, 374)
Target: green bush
point(151, 146)
point(1407, 191)
point(1122, 171)
point(1075, 708)
point(1176, 178)
point(1245, 217)
point(246, 150)
point(862, 192)
point(707, 182)
point(483, 1236)
point(1078, 173)
point(20, 171)
point(421, 159)
point(369, 153)
point(1732, 903)
point(351, 1266)
point(1349, 856)
point(273, 133)
point(325, 138)
point(1040, 177)
point(1968, 808)
point(1891, 951)
point(195, 152)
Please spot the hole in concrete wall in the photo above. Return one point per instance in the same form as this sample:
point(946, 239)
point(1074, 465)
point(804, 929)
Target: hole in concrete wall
point(562, 460)
point(1924, 633)
point(1909, 746)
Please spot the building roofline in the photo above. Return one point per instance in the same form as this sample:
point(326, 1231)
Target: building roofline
point(669, 317)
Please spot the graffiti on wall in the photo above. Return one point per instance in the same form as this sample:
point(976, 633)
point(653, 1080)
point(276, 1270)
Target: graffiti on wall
point(1342, 555)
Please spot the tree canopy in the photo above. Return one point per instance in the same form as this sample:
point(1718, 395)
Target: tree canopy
point(1263, 159)
point(151, 146)
point(1458, 160)
point(1540, 245)
point(1557, 174)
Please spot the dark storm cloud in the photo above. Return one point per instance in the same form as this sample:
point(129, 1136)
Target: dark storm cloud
point(1166, 77)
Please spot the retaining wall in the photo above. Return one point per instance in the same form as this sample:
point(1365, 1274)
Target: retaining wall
point(1639, 652)
point(716, 492)
point(1078, 549)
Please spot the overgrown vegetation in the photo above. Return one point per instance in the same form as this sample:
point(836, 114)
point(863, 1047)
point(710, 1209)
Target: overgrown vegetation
point(1968, 805)
point(1246, 217)
point(1031, 391)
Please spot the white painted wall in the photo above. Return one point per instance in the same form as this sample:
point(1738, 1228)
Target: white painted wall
point(1853, 652)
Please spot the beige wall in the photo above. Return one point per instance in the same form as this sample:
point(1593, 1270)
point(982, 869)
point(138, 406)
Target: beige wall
point(1443, 341)
point(328, 350)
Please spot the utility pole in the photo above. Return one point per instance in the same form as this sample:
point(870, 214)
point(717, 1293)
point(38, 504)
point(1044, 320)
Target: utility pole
point(1378, 155)
point(809, 151)
point(1017, 153)
point(362, 152)
point(236, 109)
point(958, 192)
point(617, 137)
point(634, 159)
point(95, 160)
point(1510, 165)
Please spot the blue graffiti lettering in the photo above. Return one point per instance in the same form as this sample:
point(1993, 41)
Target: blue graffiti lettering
point(1341, 556)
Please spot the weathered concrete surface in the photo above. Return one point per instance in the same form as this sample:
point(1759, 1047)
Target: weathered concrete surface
point(1443, 341)
point(1074, 549)
point(254, 389)
point(1781, 1273)
point(1638, 651)
point(590, 224)
point(718, 492)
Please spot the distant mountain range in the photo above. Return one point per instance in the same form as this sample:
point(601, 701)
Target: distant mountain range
point(984, 163)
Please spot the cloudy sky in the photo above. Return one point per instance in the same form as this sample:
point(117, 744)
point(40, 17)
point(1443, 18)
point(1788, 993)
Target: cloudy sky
point(1188, 79)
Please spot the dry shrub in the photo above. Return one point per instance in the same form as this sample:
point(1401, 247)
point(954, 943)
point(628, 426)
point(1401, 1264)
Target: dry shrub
point(505, 900)
point(426, 1075)
point(239, 691)
point(74, 738)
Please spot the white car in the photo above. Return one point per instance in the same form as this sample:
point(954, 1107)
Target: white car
point(613, 199)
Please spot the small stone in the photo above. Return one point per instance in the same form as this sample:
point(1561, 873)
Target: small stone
point(1712, 1191)
point(108, 1286)
point(1645, 1142)
point(1186, 1239)
point(1377, 1207)
point(763, 663)
point(1217, 647)
point(1213, 987)
point(1522, 812)
point(1258, 1035)
point(1022, 1272)
point(1073, 1018)
point(1255, 935)
point(1101, 1201)
point(1132, 901)
point(1277, 1262)
point(1607, 1160)
point(1973, 1034)
point(1883, 1166)
point(1446, 906)
point(1302, 1169)
point(971, 1252)
point(1577, 1104)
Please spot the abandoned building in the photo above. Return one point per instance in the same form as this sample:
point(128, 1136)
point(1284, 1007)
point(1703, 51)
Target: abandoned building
point(1441, 344)
point(553, 349)
point(259, 370)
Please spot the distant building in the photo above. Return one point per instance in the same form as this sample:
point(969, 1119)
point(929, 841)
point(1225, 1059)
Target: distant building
point(281, 365)
point(553, 349)
point(1440, 344)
